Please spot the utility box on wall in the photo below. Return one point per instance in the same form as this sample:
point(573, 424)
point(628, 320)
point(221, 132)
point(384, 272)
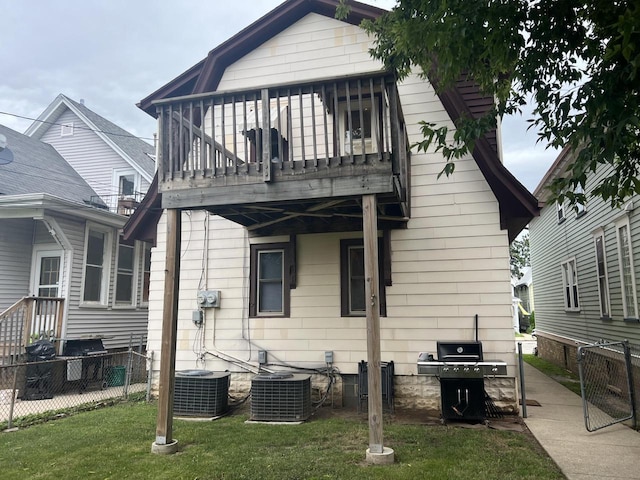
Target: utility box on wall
point(209, 298)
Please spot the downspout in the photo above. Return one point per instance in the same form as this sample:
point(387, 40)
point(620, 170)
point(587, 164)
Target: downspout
point(67, 254)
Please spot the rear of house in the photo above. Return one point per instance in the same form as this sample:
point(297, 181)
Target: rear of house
point(272, 255)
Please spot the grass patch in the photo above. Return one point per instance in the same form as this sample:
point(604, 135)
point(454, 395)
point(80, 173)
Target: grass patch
point(115, 443)
point(559, 374)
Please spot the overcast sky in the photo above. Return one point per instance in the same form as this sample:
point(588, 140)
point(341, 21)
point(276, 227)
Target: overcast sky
point(113, 53)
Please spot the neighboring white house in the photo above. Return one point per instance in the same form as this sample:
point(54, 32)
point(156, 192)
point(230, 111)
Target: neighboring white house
point(60, 244)
point(117, 165)
point(281, 239)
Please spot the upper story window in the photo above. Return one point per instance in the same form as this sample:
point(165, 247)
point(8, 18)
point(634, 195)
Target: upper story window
point(352, 279)
point(580, 207)
point(627, 276)
point(125, 291)
point(570, 285)
point(270, 279)
point(601, 272)
point(66, 129)
point(96, 271)
point(560, 209)
point(359, 126)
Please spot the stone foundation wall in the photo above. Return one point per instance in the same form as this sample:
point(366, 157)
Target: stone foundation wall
point(412, 392)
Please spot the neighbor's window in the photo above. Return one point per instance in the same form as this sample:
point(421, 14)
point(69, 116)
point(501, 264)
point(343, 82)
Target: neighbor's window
point(270, 280)
point(560, 208)
point(570, 285)
point(125, 276)
point(66, 129)
point(601, 271)
point(146, 277)
point(96, 266)
point(352, 279)
point(627, 277)
point(580, 208)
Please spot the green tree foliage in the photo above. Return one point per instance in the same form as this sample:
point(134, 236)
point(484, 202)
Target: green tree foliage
point(519, 255)
point(577, 61)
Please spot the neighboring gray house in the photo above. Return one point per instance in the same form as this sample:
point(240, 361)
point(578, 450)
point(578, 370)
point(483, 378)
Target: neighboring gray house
point(585, 270)
point(117, 165)
point(59, 241)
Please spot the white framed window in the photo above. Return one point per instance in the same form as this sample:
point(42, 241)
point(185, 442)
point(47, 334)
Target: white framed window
point(580, 207)
point(570, 285)
point(601, 272)
point(66, 129)
point(97, 258)
point(358, 122)
point(560, 209)
point(126, 273)
point(627, 275)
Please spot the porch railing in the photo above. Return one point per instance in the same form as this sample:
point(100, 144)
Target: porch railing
point(257, 135)
point(28, 320)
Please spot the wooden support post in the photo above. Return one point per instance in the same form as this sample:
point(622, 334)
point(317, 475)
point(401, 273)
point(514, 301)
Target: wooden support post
point(372, 297)
point(164, 425)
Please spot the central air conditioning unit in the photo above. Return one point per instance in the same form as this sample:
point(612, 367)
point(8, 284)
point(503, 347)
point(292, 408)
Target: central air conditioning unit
point(201, 393)
point(281, 397)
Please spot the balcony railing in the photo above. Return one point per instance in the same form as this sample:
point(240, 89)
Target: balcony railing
point(123, 204)
point(335, 128)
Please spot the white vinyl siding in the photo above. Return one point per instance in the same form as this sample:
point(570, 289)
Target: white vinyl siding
point(627, 271)
point(90, 156)
point(15, 260)
point(570, 285)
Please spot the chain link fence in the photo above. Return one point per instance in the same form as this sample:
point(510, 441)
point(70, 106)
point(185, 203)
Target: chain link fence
point(35, 391)
point(606, 380)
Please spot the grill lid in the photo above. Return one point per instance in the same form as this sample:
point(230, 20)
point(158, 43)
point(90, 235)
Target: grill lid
point(459, 351)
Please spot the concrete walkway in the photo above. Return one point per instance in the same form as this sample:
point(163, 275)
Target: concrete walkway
point(558, 424)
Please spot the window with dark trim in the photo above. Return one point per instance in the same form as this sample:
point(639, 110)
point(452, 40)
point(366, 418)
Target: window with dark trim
point(272, 269)
point(352, 278)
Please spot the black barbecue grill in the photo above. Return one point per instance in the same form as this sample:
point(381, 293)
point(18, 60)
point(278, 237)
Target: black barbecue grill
point(87, 363)
point(461, 368)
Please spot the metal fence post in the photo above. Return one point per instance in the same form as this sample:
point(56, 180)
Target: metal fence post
point(13, 396)
point(630, 383)
point(523, 394)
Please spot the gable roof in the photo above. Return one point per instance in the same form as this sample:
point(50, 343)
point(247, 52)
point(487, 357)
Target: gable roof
point(134, 151)
point(517, 204)
point(38, 168)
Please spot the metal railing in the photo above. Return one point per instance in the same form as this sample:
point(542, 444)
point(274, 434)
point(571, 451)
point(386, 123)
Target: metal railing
point(27, 320)
point(292, 129)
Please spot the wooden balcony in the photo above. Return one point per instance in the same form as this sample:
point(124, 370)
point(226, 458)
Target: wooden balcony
point(328, 143)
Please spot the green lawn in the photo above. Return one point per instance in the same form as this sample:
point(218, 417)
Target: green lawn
point(115, 443)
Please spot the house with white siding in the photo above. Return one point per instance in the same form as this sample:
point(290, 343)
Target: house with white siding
point(272, 223)
point(585, 269)
point(66, 271)
point(117, 165)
